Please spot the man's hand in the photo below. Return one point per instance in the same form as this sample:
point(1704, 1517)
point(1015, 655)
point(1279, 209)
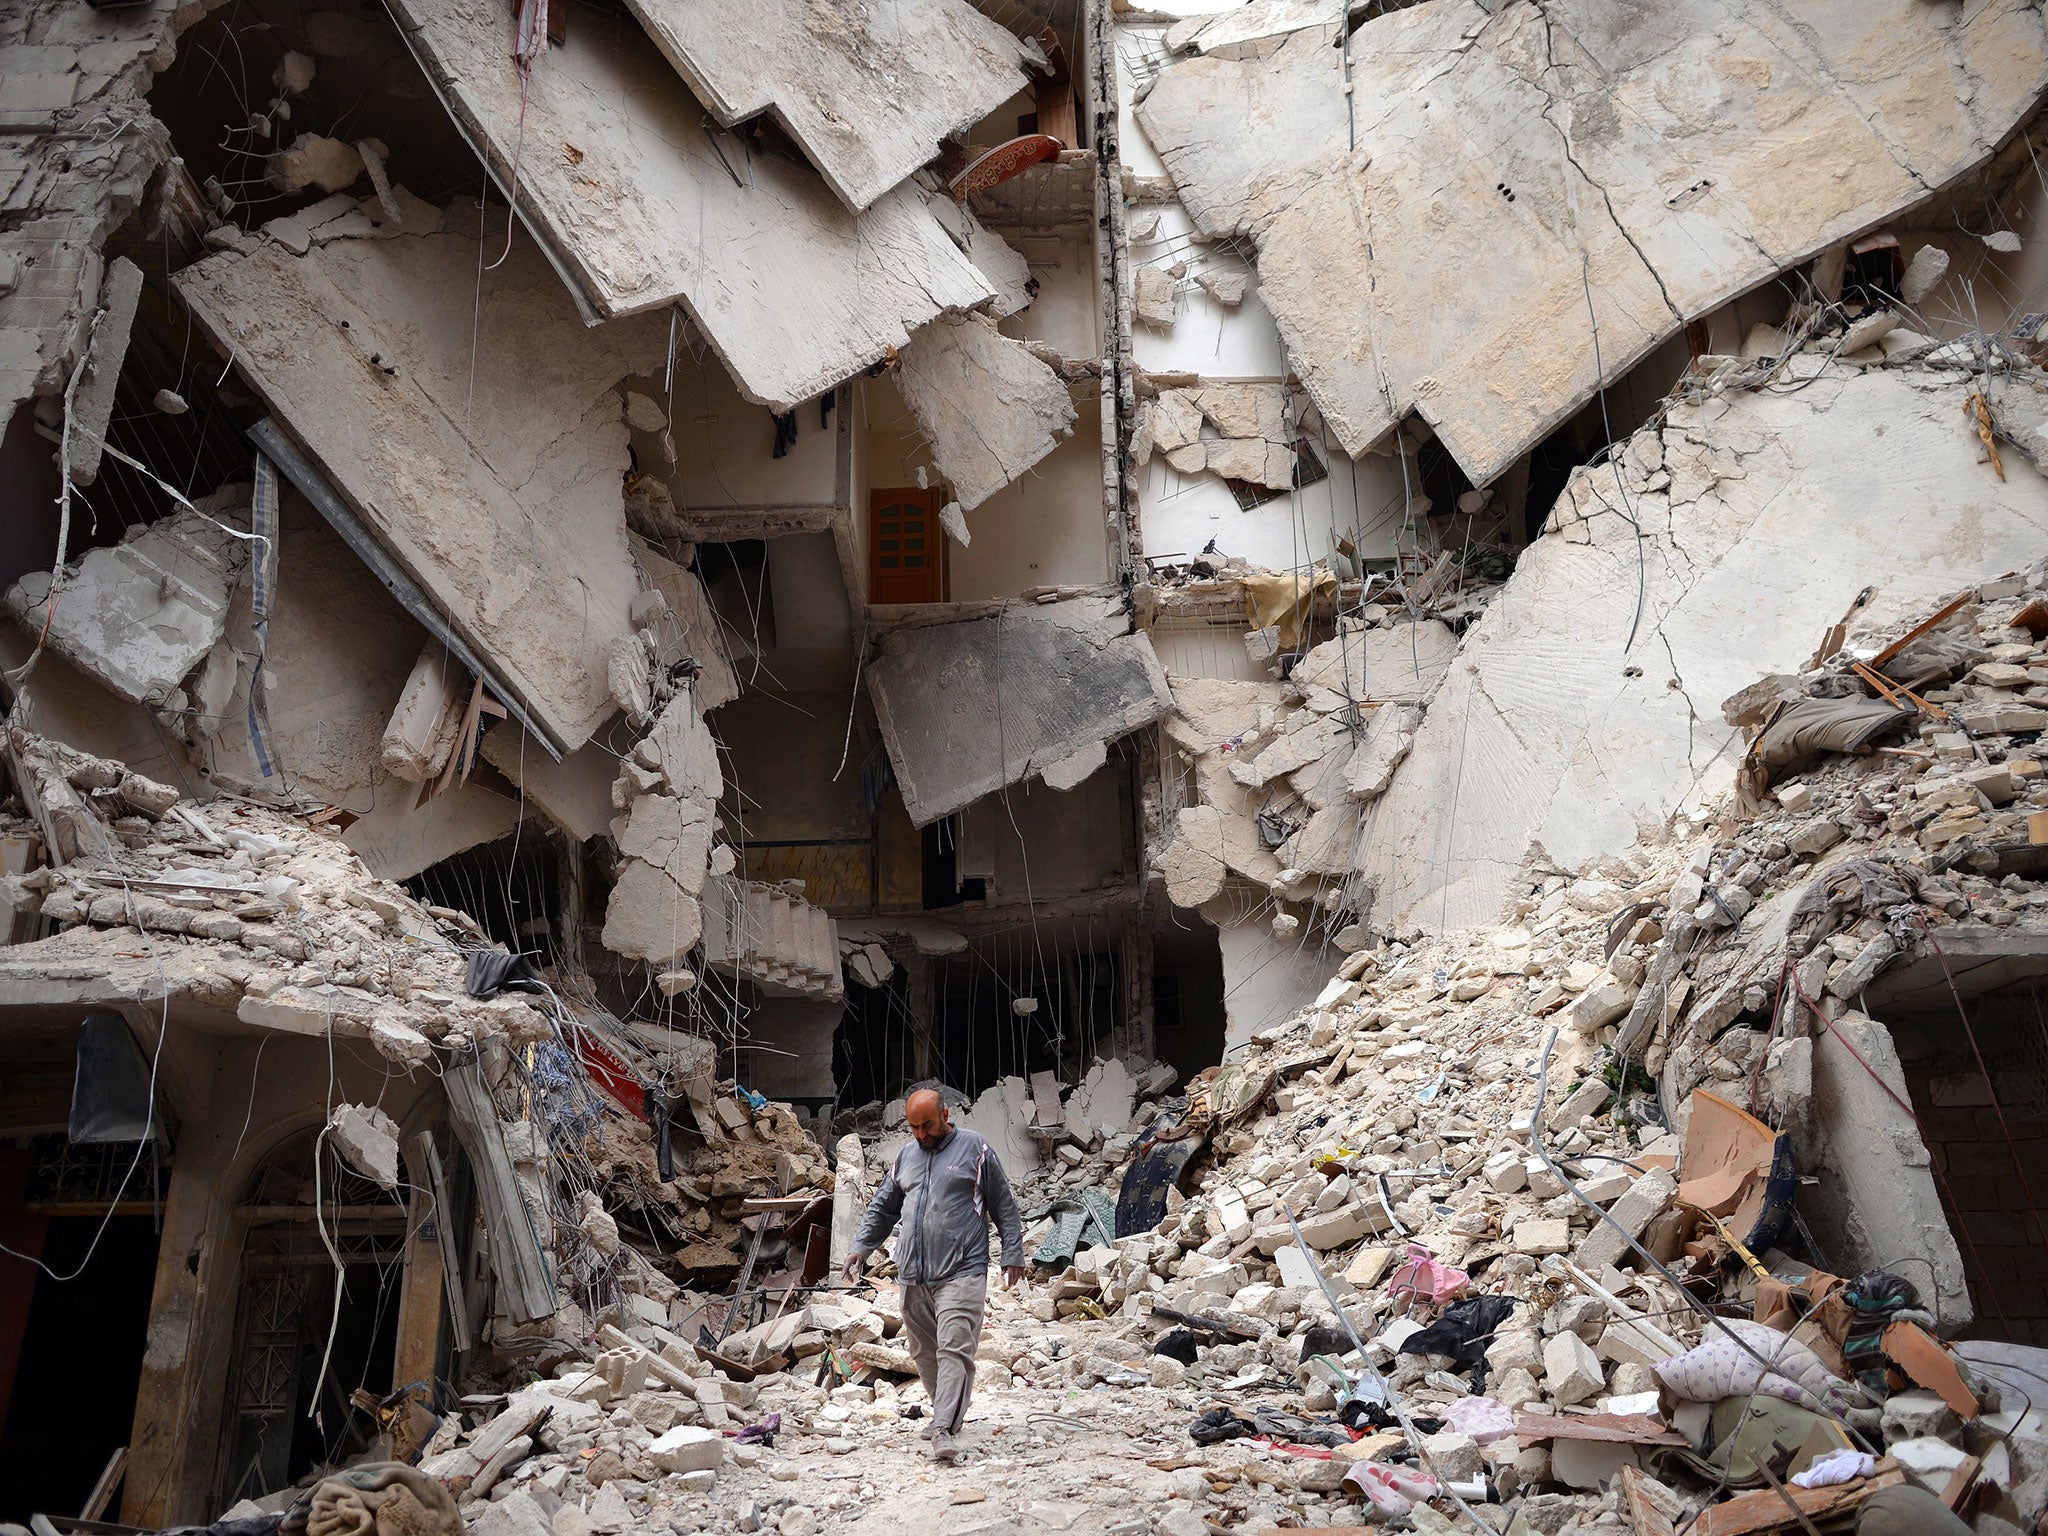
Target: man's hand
point(850, 1270)
point(1013, 1275)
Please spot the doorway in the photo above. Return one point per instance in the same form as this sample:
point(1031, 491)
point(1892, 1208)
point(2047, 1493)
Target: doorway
point(72, 1403)
point(906, 552)
point(309, 1332)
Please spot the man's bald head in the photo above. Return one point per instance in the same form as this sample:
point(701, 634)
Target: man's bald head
point(929, 1121)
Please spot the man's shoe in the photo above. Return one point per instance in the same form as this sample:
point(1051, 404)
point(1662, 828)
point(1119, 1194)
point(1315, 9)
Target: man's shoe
point(943, 1448)
point(930, 1429)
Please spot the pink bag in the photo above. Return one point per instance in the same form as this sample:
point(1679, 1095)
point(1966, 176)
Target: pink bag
point(1422, 1278)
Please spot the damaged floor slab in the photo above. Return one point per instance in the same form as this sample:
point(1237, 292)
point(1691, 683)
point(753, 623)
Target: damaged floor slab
point(970, 707)
point(868, 91)
point(519, 537)
point(1579, 717)
point(644, 206)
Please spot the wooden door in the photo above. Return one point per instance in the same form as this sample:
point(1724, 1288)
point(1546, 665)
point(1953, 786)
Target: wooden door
point(907, 558)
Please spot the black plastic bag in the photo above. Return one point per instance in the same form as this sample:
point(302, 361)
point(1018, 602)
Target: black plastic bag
point(1463, 1333)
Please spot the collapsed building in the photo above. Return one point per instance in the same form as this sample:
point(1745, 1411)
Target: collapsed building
point(593, 593)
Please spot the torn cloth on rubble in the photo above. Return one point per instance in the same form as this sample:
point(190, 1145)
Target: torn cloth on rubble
point(1141, 1200)
point(1843, 1466)
point(1278, 1424)
point(1464, 1332)
point(1178, 1344)
point(1804, 731)
point(488, 972)
point(359, 1498)
point(763, 1433)
point(1280, 600)
point(1392, 1490)
point(1218, 1425)
point(1085, 1219)
point(1877, 1299)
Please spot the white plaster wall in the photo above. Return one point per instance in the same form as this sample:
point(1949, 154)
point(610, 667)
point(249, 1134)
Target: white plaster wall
point(1046, 529)
point(1359, 501)
point(1207, 338)
point(1064, 314)
point(724, 445)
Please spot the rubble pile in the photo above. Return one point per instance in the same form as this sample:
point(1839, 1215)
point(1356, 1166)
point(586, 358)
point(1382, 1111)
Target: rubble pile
point(250, 909)
point(1534, 1169)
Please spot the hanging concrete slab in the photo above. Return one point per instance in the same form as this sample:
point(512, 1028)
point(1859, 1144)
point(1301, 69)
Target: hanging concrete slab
point(969, 707)
point(988, 409)
point(1508, 166)
point(642, 204)
point(867, 90)
point(141, 614)
point(492, 478)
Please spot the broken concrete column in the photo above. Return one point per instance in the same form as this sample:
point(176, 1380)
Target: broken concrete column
point(1875, 1200)
point(93, 406)
point(849, 1197)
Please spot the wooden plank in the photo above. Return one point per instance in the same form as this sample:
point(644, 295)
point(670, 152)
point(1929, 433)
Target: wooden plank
point(1765, 1509)
point(109, 1479)
point(1619, 1428)
point(1639, 1504)
point(522, 1269)
point(451, 1258)
point(1921, 628)
point(1961, 1481)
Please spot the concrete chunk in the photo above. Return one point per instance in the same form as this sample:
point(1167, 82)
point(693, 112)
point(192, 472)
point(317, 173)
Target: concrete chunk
point(1571, 1371)
point(1647, 1197)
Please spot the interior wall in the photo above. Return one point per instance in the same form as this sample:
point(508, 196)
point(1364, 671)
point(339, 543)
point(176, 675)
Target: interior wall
point(725, 446)
point(1072, 840)
point(1046, 529)
point(1264, 978)
point(780, 753)
point(1065, 313)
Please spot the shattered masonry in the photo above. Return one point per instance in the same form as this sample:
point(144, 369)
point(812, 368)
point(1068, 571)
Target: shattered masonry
point(1405, 656)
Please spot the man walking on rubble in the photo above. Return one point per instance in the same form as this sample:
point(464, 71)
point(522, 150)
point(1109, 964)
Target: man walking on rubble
point(955, 1186)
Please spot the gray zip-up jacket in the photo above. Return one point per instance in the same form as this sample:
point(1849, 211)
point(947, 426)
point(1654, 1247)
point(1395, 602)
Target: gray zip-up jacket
point(952, 1193)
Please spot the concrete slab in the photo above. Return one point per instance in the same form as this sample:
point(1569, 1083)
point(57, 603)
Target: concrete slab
point(644, 207)
point(1508, 166)
point(1876, 1200)
point(492, 479)
point(968, 707)
point(141, 614)
point(867, 91)
point(1762, 517)
point(988, 409)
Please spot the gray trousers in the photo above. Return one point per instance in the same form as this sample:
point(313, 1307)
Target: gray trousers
point(943, 1322)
